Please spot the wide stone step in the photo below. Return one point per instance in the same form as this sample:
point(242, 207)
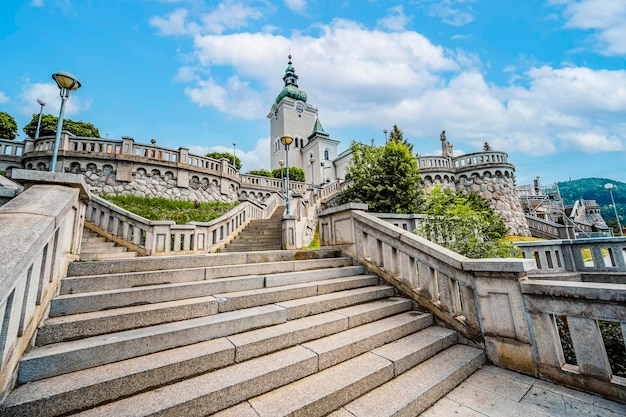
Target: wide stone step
point(420, 387)
point(111, 281)
point(117, 298)
point(151, 263)
point(83, 389)
point(106, 255)
point(261, 381)
point(61, 358)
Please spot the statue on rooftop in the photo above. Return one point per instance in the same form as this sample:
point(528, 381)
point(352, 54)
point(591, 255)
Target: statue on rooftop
point(446, 147)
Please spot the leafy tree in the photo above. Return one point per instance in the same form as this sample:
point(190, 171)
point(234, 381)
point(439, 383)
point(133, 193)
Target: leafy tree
point(465, 223)
point(397, 136)
point(226, 155)
point(49, 127)
point(8, 126)
point(295, 173)
point(385, 178)
point(261, 172)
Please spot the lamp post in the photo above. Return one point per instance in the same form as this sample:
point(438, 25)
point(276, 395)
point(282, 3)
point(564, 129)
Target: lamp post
point(312, 161)
point(609, 187)
point(286, 140)
point(385, 132)
point(66, 83)
point(41, 103)
point(234, 144)
point(282, 181)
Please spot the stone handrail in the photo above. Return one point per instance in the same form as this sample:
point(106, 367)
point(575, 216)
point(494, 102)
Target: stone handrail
point(40, 230)
point(149, 237)
point(434, 162)
point(581, 307)
point(549, 230)
point(600, 256)
point(331, 189)
point(11, 148)
point(486, 300)
point(251, 181)
point(478, 158)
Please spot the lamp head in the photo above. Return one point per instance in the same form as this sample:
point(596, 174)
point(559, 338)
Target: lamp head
point(608, 186)
point(311, 160)
point(66, 80)
point(286, 140)
point(281, 162)
point(41, 102)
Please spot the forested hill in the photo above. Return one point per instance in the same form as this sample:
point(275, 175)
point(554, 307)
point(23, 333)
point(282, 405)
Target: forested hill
point(593, 189)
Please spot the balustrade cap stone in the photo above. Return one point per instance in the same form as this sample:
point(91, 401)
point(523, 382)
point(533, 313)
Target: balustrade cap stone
point(343, 207)
point(30, 177)
point(585, 290)
point(499, 265)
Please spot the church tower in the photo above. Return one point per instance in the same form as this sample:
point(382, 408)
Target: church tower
point(290, 115)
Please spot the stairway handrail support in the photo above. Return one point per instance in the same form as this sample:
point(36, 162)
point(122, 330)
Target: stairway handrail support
point(41, 232)
point(491, 302)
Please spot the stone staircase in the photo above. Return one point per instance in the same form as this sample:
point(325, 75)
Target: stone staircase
point(299, 333)
point(94, 246)
point(259, 235)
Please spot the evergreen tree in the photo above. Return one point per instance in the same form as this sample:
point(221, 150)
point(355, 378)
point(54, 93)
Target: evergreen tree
point(385, 178)
point(465, 223)
point(295, 173)
point(261, 172)
point(49, 127)
point(8, 126)
point(226, 155)
point(397, 136)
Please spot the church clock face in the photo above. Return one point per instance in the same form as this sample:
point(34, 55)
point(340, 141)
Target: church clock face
point(299, 107)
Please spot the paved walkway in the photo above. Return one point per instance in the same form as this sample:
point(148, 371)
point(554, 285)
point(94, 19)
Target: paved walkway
point(495, 392)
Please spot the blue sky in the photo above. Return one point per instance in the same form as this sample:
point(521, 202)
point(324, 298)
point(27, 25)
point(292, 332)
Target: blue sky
point(543, 80)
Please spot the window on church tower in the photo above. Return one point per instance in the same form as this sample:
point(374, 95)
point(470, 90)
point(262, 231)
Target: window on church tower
point(326, 154)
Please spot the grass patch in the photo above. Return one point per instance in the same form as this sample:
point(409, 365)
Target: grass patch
point(164, 209)
point(513, 238)
point(315, 243)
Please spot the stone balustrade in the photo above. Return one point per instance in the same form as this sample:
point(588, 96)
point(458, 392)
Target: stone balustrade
point(40, 230)
point(10, 153)
point(331, 189)
point(150, 237)
point(492, 302)
point(595, 259)
point(434, 162)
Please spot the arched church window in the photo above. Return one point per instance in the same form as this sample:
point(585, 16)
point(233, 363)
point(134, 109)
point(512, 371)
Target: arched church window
point(326, 155)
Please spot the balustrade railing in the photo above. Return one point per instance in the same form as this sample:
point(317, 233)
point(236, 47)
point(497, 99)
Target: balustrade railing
point(495, 302)
point(40, 231)
point(589, 257)
point(11, 148)
point(151, 237)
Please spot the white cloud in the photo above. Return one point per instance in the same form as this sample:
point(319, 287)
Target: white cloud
point(257, 158)
point(3, 98)
point(451, 12)
point(607, 18)
point(228, 15)
point(297, 6)
point(49, 93)
point(37, 3)
point(395, 20)
point(372, 79)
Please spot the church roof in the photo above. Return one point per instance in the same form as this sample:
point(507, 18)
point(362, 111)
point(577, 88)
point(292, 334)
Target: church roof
point(291, 85)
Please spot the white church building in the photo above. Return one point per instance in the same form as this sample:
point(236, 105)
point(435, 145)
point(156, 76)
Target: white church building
point(312, 150)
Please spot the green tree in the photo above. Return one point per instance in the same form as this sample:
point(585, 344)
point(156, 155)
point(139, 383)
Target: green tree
point(226, 155)
point(262, 172)
point(49, 127)
point(397, 136)
point(385, 178)
point(8, 126)
point(465, 223)
point(295, 173)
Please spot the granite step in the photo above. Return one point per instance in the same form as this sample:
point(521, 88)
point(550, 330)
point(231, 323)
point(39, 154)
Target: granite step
point(87, 388)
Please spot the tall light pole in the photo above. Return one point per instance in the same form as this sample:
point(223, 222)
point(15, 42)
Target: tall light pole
point(282, 181)
point(41, 103)
point(286, 140)
point(66, 82)
point(234, 144)
point(312, 161)
point(385, 132)
point(609, 187)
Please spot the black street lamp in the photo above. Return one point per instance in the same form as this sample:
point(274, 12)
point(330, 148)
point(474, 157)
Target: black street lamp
point(287, 140)
point(312, 161)
point(609, 187)
point(66, 83)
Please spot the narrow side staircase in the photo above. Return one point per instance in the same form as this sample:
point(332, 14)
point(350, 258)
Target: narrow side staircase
point(243, 334)
point(259, 235)
point(94, 247)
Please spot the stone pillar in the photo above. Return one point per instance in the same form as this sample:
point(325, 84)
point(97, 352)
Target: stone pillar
point(127, 145)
